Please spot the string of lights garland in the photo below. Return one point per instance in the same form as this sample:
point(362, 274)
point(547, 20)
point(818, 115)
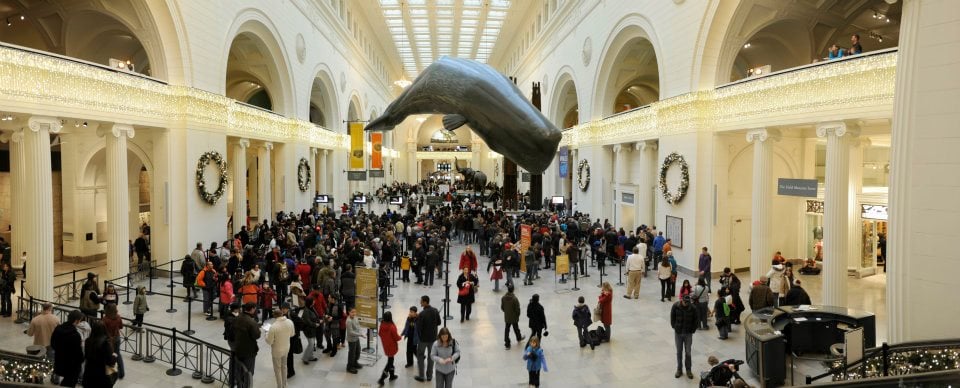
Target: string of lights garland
point(674, 198)
point(303, 175)
point(901, 362)
point(33, 372)
point(217, 159)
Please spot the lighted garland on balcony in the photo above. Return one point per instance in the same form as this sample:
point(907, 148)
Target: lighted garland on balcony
point(674, 198)
point(205, 159)
point(303, 175)
point(25, 372)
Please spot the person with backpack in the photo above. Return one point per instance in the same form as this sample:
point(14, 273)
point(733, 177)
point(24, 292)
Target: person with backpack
point(446, 354)
point(721, 313)
point(581, 320)
point(90, 299)
point(701, 296)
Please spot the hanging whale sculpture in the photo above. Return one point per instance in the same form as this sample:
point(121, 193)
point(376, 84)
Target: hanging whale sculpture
point(471, 93)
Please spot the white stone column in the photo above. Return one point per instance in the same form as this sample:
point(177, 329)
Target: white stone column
point(240, 184)
point(36, 215)
point(264, 185)
point(118, 201)
point(324, 168)
point(15, 140)
point(315, 171)
point(412, 163)
point(645, 193)
point(835, 211)
point(761, 227)
point(621, 165)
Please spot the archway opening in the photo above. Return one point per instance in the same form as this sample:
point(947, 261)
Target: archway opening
point(252, 75)
point(633, 79)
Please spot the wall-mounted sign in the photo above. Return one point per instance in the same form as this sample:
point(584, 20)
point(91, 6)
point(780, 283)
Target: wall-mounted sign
point(873, 212)
point(814, 206)
point(564, 165)
point(674, 231)
point(356, 175)
point(322, 198)
point(525, 177)
point(376, 173)
point(626, 198)
point(797, 187)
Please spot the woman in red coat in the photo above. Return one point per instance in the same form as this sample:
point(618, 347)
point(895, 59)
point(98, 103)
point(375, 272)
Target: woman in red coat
point(606, 308)
point(388, 339)
point(468, 259)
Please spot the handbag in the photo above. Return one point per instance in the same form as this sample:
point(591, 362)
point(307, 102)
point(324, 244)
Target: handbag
point(296, 345)
point(464, 291)
point(112, 373)
point(597, 312)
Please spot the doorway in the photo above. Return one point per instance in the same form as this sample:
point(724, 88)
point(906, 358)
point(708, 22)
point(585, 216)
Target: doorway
point(740, 243)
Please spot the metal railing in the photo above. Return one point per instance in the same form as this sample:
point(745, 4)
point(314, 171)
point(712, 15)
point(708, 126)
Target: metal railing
point(150, 343)
point(910, 358)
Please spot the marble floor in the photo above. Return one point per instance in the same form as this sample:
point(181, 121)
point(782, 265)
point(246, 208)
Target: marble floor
point(641, 352)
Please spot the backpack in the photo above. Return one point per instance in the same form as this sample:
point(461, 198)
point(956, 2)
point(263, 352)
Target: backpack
point(199, 280)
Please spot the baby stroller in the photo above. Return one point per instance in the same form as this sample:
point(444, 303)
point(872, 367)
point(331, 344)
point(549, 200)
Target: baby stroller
point(596, 336)
point(722, 374)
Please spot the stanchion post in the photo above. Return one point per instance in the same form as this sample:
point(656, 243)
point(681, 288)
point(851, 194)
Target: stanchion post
point(189, 330)
point(575, 288)
point(620, 273)
point(170, 271)
point(172, 310)
point(173, 371)
point(446, 286)
point(127, 302)
point(600, 269)
point(150, 280)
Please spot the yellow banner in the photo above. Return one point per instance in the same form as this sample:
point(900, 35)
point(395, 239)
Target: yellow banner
point(366, 297)
point(356, 146)
point(376, 158)
point(563, 264)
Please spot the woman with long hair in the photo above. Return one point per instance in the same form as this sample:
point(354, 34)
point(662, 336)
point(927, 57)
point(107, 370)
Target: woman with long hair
point(98, 355)
point(445, 354)
point(606, 308)
point(664, 273)
point(114, 324)
point(466, 295)
point(389, 339)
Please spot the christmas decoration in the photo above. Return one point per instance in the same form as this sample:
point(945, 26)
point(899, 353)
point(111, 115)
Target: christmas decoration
point(205, 159)
point(303, 174)
point(675, 197)
point(583, 175)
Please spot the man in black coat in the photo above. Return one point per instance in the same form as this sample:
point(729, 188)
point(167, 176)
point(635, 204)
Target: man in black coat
point(683, 320)
point(428, 323)
point(66, 344)
point(537, 318)
point(797, 295)
point(245, 336)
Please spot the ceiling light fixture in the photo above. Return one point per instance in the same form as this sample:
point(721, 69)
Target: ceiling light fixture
point(84, 124)
point(22, 17)
point(747, 45)
point(402, 83)
point(9, 23)
point(7, 118)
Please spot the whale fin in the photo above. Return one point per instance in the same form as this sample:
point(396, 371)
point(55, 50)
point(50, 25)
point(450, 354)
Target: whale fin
point(379, 124)
point(453, 121)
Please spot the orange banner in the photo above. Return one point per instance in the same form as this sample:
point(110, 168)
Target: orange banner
point(376, 157)
point(526, 236)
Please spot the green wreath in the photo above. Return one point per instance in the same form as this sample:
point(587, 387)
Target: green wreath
point(583, 175)
point(205, 159)
point(303, 175)
point(675, 197)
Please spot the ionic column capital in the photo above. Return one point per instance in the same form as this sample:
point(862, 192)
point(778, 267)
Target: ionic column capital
point(326, 152)
point(837, 128)
point(645, 145)
point(243, 143)
point(761, 135)
point(14, 136)
point(51, 124)
point(116, 130)
point(267, 146)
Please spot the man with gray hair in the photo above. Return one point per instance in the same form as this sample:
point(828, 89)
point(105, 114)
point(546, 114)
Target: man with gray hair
point(636, 266)
point(41, 328)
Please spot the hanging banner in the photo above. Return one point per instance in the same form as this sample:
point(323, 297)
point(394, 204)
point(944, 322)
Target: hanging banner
point(356, 146)
point(564, 165)
point(526, 234)
point(376, 157)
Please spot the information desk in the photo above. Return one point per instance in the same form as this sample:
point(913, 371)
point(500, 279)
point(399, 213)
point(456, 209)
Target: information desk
point(773, 334)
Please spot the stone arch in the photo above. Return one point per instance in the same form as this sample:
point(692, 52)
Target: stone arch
point(97, 152)
point(323, 95)
point(565, 98)
point(634, 32)
point(261, 60)
point(354, 107)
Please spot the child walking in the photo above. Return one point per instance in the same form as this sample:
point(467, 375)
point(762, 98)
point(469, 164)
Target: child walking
point(535, 360)
point(140, 306)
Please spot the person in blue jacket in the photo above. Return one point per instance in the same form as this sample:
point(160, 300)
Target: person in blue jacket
point(410, 334)
point(535, 361)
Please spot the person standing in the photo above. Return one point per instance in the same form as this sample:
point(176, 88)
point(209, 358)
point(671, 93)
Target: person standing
point(510, 306)
point(636, 265)
point(427, 323)
point(533, 354)
point(536, 317)
point(855, 47)
point(704, 266)
point(98, 355)
point(445, 355)
point(760, 295)
point(354, 333)
point(331, 319)
point(208, 282)
point(114, 324)
point(797, 295)
point(683, 320)
point(581, 320)
point(42, 327)
point(68, 349)
point(140, 306)
point(664, 272)
point(389, 339)
point(701, 297)
point(606, 308)
point(410, 334)
point(278, 337)
point(779, 284)
point(246, 332)
point(721, 313)
point(8, 281)
point(672, 290)
point(468, 260)
point(466, 296)
point(730, 280)
point(311, 329)
point(658, 243)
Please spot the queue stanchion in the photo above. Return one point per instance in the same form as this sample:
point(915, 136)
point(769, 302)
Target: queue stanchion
point(172, 310)
point(600, 269)
point(150, 280)
point(128, 302)
point(170, 271)
point(173, 371)
point(575, 288)
point(446, 286)
point(73, 286)
point(620, 273)
point(189, 330)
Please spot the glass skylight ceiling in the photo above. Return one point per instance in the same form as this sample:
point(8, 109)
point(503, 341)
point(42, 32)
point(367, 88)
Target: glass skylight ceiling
point(424, 30)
